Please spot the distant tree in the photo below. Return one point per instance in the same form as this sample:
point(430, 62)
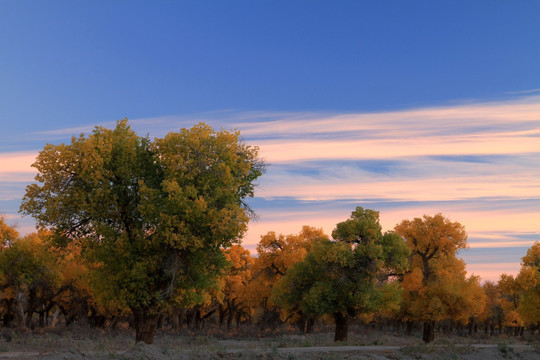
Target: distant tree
point(152, 216)
point(493, 314)
point(436, 287)
point(529, 277)
point(521, 294)
point(234, 303)
point(29, 279)
point(7, 233)
point(276, 255)
point(348, 276)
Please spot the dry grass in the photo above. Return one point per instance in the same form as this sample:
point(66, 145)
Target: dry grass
point(83, 343)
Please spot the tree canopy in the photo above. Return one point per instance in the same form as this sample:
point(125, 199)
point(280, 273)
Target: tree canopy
point(151, 215)
point(343, 277)
point(436, 286)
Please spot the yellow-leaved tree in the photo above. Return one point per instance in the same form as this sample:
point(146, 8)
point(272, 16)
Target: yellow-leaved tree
point(521, 294)
point(529, 279)
point(234, 304)
point(436, 288)
point(276, 255)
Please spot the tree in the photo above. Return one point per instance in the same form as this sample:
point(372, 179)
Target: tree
point(29, 279)
point(348, 276)
point(529, 278)
point(151, 215)
point(234, 304)
point(521, 294)
point(436, 286)
point(493, 313)
point(276, 255)
point(7, 233)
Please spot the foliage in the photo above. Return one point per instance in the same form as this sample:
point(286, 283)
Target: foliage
point(151, 215)
point(234, 301)
point(342, 277)
point(276, 255)
point(30, 277)
point(521, 294)
point(529, 278)
point(493, 314)
point(7, 233)
point(436, 287)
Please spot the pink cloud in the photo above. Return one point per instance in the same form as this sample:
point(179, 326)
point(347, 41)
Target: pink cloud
point(17, 167)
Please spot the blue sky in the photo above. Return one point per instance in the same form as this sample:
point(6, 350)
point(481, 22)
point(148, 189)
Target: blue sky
point(406, 107)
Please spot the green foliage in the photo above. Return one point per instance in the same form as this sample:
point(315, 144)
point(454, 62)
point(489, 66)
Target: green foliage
point(28, 264)
point(152, 216)
point(344, 276)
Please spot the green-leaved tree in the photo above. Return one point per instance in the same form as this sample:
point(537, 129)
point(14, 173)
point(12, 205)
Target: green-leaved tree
point(348, 276)
point(152, 216)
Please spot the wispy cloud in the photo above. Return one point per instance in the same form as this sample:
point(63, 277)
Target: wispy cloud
point(524, 92)
point(492, 272)
point(477, 163)
point(17, 167)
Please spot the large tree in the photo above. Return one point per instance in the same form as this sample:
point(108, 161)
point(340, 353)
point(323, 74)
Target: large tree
point(436, 286)
point(348, 276)
point(153, 216)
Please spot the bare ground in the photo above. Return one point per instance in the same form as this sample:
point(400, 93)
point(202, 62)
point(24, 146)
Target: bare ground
point(77, 344)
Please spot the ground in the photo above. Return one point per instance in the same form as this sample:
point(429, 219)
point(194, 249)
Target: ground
point(81, 343)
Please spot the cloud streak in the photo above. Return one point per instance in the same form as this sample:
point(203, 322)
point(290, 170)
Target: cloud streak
point(478, 163)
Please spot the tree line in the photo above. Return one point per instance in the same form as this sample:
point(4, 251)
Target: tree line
point(140, 230)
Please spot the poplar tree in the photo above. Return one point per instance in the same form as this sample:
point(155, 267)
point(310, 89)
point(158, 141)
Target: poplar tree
point(153, 216)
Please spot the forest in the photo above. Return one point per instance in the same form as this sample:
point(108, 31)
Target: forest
point(147, 234)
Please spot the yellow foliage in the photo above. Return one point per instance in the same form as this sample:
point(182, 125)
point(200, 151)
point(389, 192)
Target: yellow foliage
point(436, 287)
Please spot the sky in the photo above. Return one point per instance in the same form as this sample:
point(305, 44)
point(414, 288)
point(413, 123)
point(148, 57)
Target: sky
point(404, 107)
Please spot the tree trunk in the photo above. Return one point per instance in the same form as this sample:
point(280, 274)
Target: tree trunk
point(198, 320)
point(301, 323)
point(222, 312)
point(310, 324)
point(429, 331)
point(145, 325)
point(175, 319)
point(342, 326)
point(408, 328)
point(230, 317)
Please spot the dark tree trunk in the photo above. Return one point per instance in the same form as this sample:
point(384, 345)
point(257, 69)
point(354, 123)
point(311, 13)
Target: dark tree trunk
point(29, 316)
point(175, 320)
point(198, 320)
point(342, 326)
point(41, 319)
point(429, 331)
point(238, 318)
point(222, 313)
point(310, 324)
point(408, 328)
point(145, 325)
point(230, 317)
point(301, 323)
